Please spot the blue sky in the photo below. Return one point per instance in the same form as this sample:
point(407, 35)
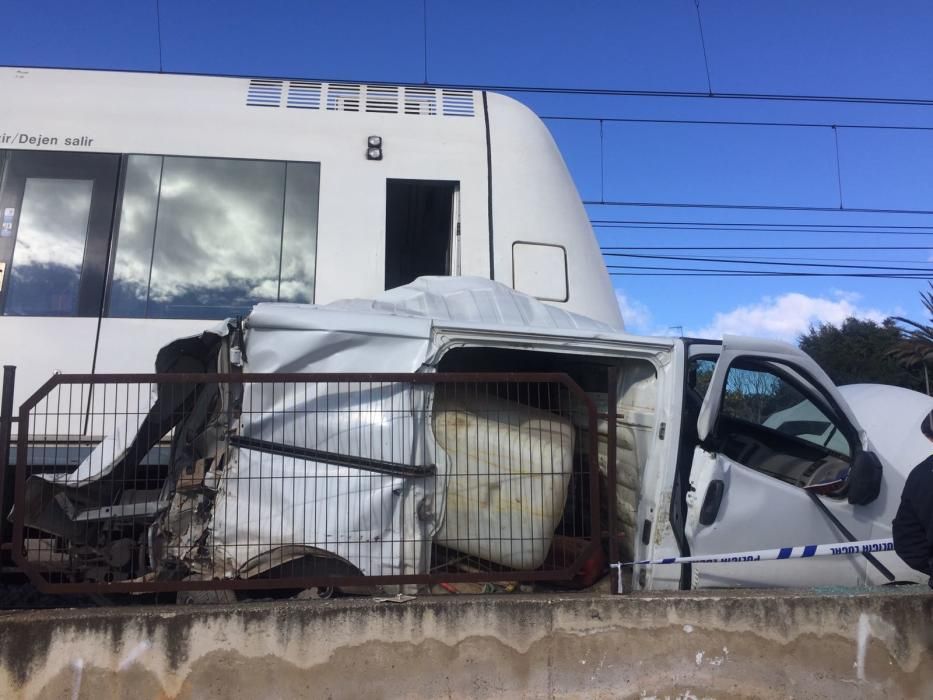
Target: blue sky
point(797, 47)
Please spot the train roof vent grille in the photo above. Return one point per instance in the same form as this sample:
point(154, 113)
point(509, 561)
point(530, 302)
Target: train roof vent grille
point(419, 100)
point(264, 93)
point(353, 97)
point(343, 97)
point(457, 103)
point(382, 99)
point(302, 95)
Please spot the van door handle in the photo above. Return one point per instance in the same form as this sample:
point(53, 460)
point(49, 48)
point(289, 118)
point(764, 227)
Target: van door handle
point(712, 501)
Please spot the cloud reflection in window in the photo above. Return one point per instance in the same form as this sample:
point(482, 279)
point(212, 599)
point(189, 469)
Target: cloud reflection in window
point(204, 238)
point(49, 250)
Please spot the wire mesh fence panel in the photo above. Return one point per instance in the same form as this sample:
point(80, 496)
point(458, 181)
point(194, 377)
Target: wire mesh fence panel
point(133, 483)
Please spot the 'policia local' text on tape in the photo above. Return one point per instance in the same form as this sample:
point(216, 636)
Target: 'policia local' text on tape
point(801, 552)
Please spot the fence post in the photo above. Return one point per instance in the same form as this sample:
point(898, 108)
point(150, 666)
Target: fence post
point(612, 399)
point(6, 428)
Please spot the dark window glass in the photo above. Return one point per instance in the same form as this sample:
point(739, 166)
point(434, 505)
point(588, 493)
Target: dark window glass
point(699, 374)
point(49, 251)
point(208, 238)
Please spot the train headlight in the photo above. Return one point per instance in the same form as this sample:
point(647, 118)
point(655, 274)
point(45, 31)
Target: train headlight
point(374, 148)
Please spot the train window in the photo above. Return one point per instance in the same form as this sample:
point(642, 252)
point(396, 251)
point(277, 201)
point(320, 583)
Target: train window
point(57, 210)
point(419, 229)
point(130, 282)
point(210, 237)
point(299, 233)
point(49, 252)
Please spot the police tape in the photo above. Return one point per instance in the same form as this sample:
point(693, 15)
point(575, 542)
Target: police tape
point(777, 554)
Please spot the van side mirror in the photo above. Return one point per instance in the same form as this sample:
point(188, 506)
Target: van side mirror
point(864, 479)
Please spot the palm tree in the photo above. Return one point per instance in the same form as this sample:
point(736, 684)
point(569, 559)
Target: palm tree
point(915, 348)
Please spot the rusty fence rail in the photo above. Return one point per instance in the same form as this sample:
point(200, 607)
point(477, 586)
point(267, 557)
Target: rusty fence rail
point(186, 482)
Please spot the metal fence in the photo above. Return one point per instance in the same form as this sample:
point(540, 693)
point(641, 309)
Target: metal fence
point(146, 483)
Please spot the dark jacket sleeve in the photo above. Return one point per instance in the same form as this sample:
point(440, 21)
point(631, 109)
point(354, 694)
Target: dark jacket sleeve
point(912, 528)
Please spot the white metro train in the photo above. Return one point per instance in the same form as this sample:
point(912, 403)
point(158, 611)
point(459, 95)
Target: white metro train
point(136, 207)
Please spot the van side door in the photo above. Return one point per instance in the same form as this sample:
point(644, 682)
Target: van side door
point(772, 427)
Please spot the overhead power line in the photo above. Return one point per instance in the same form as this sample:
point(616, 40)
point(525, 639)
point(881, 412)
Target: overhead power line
point(781, 263)
point(762, 274)
point(690, 94)
point(724, 224)
point(728, 122)
point(792, 259)
point(158, 11)
point(714, 272)
point(554, 89)
point(763, 230)
point(771, 247)
point(755, 207)
point(709, 81)
point(606, 225)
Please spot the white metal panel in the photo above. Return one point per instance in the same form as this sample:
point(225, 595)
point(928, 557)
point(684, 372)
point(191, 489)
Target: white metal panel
point(540, 270)
point(130, 345)
point(40, 347)
point(534, 199)
point(892, 417)
point(145, 336)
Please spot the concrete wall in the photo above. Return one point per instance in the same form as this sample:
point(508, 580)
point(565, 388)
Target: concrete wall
point(763, 645)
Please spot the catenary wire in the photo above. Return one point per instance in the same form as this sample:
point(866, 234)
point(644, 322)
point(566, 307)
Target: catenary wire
point(763, 274)
point(725, 230)
point(749, 261)
point(713, 272)
point(790, 226)
point(709, 80)
point(752, 207)
point(731, 122)
point(739, 259)
point(556, 89)
point(771, 247)
point(761, 230)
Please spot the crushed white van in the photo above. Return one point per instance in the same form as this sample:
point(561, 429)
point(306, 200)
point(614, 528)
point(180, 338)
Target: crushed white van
point(721, 447)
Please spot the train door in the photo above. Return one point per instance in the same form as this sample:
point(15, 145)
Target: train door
point(56, 213)
point(421, 223)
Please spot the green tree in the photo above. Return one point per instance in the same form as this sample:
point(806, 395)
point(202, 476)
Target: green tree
point(915, 348)
point(859, 351)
